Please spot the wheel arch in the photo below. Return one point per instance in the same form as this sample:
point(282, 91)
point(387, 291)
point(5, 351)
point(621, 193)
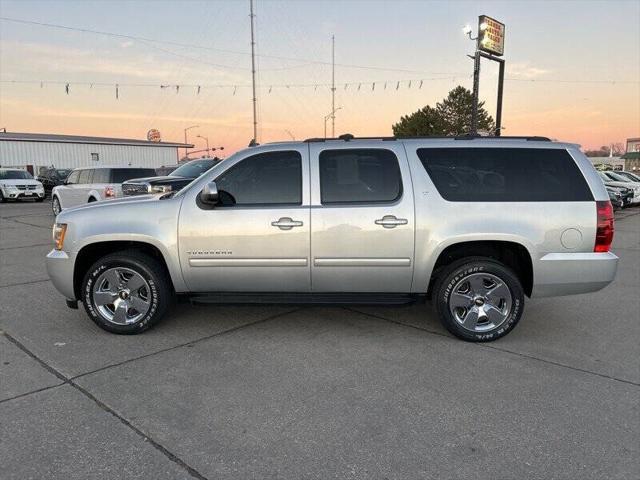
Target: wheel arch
point(513, 254)
point(92, 252)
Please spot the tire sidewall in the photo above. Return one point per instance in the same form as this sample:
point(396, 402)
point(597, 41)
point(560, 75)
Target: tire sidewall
point(53, 203)
point(465, 269)
point(89, 284)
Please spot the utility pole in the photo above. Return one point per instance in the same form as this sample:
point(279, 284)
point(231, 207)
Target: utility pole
point(253, 72)
point(333, 87)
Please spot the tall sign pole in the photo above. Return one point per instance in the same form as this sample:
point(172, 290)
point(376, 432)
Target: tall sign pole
point(253, 72)
point(333, 87)
point(489, 45)
point(476, 89)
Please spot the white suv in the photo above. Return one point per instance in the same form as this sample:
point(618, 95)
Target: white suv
point(92, 184)
point(16, 184)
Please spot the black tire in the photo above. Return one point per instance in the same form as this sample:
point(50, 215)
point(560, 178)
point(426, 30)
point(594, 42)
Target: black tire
point(2, 198)
point(452, 279)
point(91, 200)
point(55, 204)
point(160, 292)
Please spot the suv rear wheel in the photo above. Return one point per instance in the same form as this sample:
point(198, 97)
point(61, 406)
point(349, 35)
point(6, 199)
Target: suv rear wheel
point(126, 292)
point(478, 299)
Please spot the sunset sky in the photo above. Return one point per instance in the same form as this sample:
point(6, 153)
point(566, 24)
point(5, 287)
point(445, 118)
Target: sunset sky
point(573, 68)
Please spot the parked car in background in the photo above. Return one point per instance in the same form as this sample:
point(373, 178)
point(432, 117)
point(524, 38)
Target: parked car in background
point(633, 186)
point(634, 177)
point(618, 177)
point(176, 180)
point(92, 184)
point(351, 220)
point(52, 177)
point(16, 184)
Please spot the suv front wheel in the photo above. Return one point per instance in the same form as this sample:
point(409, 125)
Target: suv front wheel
point(478, 299)
point(126, 292)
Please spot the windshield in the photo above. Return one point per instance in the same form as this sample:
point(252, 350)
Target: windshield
point(63, 172)
point(14, 175)
point(212, 173)
point(193, 169)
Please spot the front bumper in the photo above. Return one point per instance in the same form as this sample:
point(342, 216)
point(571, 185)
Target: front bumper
point(21, 194)
point(557, 274)
point(60, 269)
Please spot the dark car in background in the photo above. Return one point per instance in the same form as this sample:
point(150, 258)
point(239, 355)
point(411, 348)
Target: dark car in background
point(629, 190)
point(615, 197)
point(177, 179)
point(633, 177)
point(52, 177)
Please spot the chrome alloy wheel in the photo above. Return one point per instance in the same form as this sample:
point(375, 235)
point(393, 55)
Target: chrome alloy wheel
point(480, 302)
point(122, 296)
point(55, 205)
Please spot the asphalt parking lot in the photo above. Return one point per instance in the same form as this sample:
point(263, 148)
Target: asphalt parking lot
point(308, 392)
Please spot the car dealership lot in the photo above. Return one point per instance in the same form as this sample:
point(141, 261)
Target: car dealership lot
point(314, 392)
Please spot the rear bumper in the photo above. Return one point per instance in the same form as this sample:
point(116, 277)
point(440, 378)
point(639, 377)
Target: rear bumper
point(558, 274)
point(60, 269)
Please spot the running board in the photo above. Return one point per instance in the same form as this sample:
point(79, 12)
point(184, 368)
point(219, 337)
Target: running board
point(307, 298)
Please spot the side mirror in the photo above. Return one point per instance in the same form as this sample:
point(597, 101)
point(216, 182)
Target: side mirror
point(209, 194)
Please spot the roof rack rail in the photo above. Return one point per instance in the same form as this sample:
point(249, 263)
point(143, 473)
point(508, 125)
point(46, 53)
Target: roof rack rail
point(348, 137)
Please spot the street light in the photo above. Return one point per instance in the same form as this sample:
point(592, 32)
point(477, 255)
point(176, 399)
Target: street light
point(206, 139)
point(327, 117)
point(185, 138)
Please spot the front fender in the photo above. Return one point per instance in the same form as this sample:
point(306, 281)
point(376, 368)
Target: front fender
point(150, 221)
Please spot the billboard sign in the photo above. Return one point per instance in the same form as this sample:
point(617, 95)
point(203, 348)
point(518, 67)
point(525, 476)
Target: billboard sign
point(490, 35)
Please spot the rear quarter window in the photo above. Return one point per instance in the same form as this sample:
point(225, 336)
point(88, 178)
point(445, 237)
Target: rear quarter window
point(505, 174)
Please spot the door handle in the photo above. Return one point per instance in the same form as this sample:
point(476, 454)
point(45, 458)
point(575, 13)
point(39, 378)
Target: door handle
point(390, 221)
point(286, 223)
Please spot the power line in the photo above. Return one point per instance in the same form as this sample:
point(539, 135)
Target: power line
point(214, 49)
point(412, 83)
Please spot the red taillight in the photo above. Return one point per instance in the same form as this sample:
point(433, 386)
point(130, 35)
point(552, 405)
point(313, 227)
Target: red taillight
point(604, 230)
point(109, 192)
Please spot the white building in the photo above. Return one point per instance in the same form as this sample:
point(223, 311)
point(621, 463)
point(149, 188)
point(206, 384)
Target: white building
point(33, 151)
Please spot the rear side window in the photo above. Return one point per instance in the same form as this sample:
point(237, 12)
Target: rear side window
point(101, 175)
point(364, 175)
point(73, 177)
point(505, 174)
point(270, 178)
point(119, 175)
point(85, 176)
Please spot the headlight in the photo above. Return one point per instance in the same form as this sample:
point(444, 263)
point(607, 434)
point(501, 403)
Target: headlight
point(59, 231)
point(160, 188)
point(11, 187)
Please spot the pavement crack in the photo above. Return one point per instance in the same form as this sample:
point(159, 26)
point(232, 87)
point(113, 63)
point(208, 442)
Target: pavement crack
point(26, 246)
point(11, 219)
point(191, 342)
point(26, 394)
point(24, 283)
point(493, 347)
point(106, 408)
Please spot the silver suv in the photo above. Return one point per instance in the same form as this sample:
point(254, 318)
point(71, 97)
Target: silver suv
point(474, 224)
